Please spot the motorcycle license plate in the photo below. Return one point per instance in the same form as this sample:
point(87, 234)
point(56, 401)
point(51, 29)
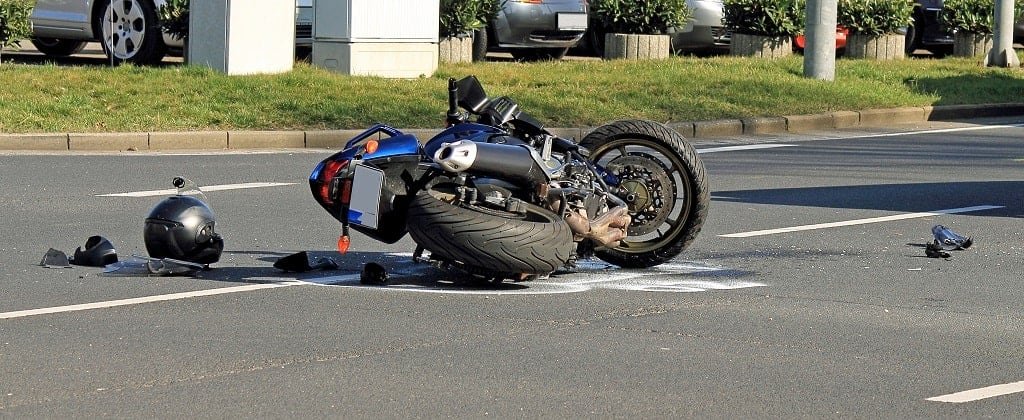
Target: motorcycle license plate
point(572, 21)
point(364, 206)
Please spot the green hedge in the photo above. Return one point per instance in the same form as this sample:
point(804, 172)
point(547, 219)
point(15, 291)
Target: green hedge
point(14, 21)
point(462, 17)
point(764, 17)
point(875, 17)
point(640, 17)
point(973, 16)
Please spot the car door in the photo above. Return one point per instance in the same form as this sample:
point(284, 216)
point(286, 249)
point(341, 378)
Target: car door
point(62, 19)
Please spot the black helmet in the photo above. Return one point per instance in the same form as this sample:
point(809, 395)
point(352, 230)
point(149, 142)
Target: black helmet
point(181, 227)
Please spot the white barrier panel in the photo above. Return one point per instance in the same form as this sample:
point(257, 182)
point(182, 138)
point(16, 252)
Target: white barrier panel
point(242, 36)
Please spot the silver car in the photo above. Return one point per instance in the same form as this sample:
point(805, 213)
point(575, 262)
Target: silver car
point(534, 29)
point(705, 30)
point(128, 30)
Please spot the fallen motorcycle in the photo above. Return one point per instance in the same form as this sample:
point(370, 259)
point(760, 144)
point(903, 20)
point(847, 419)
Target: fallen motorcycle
point(503, 198)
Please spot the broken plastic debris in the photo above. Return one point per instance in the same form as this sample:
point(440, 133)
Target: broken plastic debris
point(185, 186)
point(146, 266)
point(950, 240)
point(373, 273)
point(934, 250)
point(299, 263)
point(98, 252)
point(55, 259)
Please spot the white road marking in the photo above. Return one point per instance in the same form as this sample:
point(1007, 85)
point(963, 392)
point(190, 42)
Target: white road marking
point(859, 221)
point(980, 393)
point(207, 188)
point(743, 147)
point(935, 131)
point(144, 299)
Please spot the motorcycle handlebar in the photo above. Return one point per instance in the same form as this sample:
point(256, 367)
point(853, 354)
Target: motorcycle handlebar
point(453, 116)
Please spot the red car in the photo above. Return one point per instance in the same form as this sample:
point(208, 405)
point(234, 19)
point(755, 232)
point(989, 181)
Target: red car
point(841, 33)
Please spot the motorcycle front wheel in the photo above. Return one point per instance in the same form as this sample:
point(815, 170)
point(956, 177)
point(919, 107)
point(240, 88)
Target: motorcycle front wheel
point(662, 181)
point(486, 241)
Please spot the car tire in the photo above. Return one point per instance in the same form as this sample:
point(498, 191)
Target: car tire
point(130, 31)
point(58, 47)
point(539, 54)
point(913, 39)
point(480, 44)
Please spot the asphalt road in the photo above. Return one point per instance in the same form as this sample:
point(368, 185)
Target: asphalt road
point(849, 319)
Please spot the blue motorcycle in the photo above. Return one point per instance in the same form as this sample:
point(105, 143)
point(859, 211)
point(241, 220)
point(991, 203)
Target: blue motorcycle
point(502, 198)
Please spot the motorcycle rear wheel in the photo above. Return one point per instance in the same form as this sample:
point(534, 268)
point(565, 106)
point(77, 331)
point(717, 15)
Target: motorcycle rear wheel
point(669, 192)
point(487, 241)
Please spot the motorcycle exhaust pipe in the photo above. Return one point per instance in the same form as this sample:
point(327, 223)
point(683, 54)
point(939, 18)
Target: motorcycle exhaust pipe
point(500, 160)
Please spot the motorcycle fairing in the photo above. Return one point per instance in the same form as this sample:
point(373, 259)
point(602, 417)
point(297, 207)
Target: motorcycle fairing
point(333, 182)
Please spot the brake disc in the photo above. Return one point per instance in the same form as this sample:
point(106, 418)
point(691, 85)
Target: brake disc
point(651, 193)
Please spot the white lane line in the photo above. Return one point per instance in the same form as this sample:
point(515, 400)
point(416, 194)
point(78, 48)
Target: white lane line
point(207, 188)
point(935, 131)
point(144, 299)
point(980, 393)
point(859, 221)
point(743, 147)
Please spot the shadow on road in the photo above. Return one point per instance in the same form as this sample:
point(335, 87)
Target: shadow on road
point(894, 197)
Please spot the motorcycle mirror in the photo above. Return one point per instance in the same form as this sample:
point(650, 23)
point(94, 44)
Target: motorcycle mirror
point(470, 94)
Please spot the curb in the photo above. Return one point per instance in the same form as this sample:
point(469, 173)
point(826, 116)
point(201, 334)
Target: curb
point(334, 139)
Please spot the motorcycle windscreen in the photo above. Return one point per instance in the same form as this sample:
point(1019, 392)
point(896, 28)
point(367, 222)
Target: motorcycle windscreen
point(364, 207)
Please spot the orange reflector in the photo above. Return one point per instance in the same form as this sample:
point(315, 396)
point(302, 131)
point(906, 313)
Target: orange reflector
point(343, 243)
point(371, 146)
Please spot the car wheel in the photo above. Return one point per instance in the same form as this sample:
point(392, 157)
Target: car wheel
point(538, 54)
point(130, 31)
point(58, 47)
point(480, 45)
point(913, 40)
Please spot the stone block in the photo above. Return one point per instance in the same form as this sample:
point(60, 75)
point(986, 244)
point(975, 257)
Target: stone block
point(186, 140)
point(717, 128)
point(49, 142)
point(108, 141)
point(266, 139)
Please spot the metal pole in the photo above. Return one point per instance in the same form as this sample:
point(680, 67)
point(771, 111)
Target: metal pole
point(1002, 54)
point(820, 40)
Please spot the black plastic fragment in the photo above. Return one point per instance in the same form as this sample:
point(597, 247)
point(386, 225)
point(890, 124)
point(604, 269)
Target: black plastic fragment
point(98, 252)
point(934, 250)
point(55, 259)
point(299, 262)
point(374, 274)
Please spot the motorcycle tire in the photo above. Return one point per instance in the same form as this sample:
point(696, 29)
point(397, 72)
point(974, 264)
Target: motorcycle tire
point(485, 241)
point(651, 159)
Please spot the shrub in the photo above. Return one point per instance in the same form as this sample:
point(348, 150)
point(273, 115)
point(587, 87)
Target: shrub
point(14, 21)
point(461, 17)
point(973, 16)
point(639, 17)
point(875, 17)
point(174, 18)
point(764, 17)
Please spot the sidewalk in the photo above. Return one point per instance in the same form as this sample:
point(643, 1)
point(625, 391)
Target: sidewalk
point(335, 139)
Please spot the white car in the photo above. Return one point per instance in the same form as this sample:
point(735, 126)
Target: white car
point(128, 30)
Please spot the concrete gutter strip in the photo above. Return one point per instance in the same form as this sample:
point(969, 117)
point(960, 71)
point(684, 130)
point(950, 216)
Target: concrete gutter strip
point(335, 139)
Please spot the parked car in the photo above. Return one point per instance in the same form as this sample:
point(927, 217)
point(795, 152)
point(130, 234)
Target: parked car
point(128, 30)
point(533, 29)
point(928, 34)
point(925, 32)
point(705, 30)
